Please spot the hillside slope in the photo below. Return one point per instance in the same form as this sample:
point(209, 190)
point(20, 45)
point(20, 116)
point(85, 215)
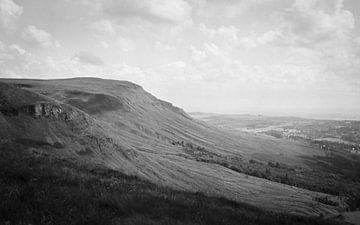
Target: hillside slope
point(39, 189)
point(118, 125)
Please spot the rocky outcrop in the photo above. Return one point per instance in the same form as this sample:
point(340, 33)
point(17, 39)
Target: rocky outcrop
point(45, 109)
point(49, 110)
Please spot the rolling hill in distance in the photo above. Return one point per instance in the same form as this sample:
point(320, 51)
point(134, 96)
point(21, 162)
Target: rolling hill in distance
point(118, 126)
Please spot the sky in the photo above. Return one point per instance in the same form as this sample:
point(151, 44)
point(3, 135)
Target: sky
point(223, 56)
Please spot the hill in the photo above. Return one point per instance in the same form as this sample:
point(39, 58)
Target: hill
point(117, 125)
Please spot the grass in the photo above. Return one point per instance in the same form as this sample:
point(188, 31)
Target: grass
point(39, 189)
point(339, 174)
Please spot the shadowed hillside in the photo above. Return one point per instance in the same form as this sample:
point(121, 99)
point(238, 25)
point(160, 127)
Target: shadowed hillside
point(118, 125)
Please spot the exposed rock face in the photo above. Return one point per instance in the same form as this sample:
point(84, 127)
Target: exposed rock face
point(75, 119)
point(45, 109)
point(48, 110)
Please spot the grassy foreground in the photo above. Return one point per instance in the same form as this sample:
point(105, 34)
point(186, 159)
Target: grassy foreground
point(38, 189)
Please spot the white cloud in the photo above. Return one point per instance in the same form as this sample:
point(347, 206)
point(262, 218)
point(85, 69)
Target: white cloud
point(210, 9)
point(104, 44)
point(310, 24)
point(88, 58)
point(9, 13)
point(253, 40)
point(125, 44)
point(38, 37)
point(316, 33)
point(2, 46)
point(196, 54)
point(175, 73)
point(13, 59)
point(173, 10)
point(177, 11)
point(160, 46)
point(357, 41)
point(18, 49)
point(227, 33)
point(212, 49)
point(269, 36)
point(104, 27)
point(57, 44)
point(215, 10)
point(12, 53)
point(177, 65)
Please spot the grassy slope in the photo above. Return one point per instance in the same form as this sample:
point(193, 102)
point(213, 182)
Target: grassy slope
point(337, 172)
point(140, 129)
point(39, 189)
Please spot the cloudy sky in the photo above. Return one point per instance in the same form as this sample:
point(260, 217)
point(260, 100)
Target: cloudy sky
point(227, 56)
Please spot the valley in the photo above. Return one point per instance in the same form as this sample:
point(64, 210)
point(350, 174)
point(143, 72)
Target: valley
point(337, 171)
